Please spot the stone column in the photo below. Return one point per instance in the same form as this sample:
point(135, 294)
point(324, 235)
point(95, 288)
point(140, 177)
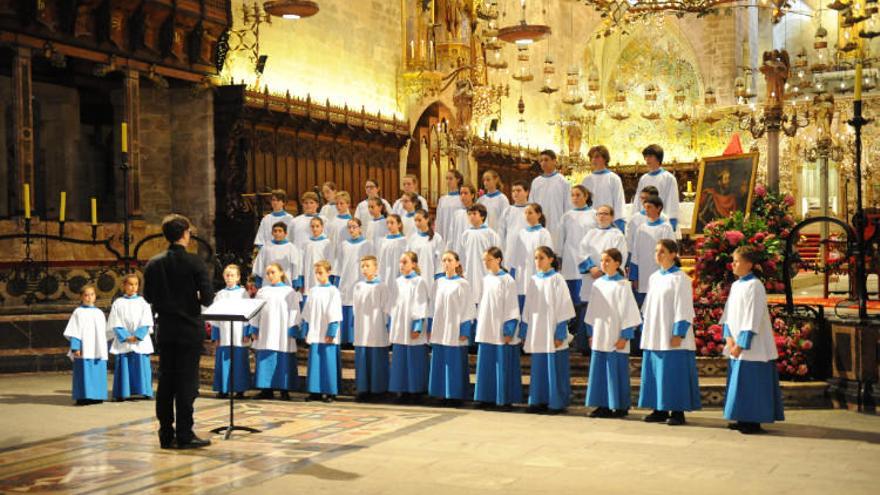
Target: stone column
point(23, 124)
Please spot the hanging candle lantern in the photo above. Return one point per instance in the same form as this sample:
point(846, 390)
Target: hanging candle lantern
point(572, 87)
point(523, 70)
point(592, 102)
point(549, 75)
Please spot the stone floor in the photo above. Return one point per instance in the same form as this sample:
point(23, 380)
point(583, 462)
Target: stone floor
point(48, 445)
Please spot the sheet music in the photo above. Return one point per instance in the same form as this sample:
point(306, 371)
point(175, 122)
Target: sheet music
point(233, 309)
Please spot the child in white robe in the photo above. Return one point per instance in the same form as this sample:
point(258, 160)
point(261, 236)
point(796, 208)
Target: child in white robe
point(642, 264)
point(474, 242)
point(321, 317)
point(494, 200)
point(544, 331)
point(669, 382)
point(663, 180)
point(449, 203)
point(605, 186)
point(231, 351)
point(552, 191)
point(279, 250)
point(317, 248)
point(372, 301)
point(129, 326)
point(410, 184)
point(87, 332)
point(377, 225)
point(372, 190)
point(428, 246)
point(348, 256)
point(595, 242)
point(301, 227)
point(753, 395)
point(391, 247)
point(575, 224)
point(460, 222)
point(638, 217)
point(611, 322)
point(522, 259)
point(337, 225)
point(264, 231)
point(408, 203)
point(499, 380)
point(409, 352)
point(452, 327)
point(273, 331)
point(514, 219)
point(329, 191)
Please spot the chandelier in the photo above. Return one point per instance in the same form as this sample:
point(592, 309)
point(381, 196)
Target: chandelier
point(523, 33)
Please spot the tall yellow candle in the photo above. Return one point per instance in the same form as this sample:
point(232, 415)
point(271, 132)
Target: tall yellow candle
point(690, 187)
point(124, 137)
point(94, 211)
point(858, 87)
point(62, 209)
point(27, 201)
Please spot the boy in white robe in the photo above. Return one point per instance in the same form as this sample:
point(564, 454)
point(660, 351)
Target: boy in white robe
point(638, 217)
point(231, 352)
point(494, 200)
point(87, 332)
point(321, 317)
point(642, 264)
point(449, 203)
point(410, 184)
point(279, 250)
point(409, 352)
point(604, 185)
point(264, 231)
point(299, 230)
point(514, 219)
point(663, 180)
point(474, 242)
point(552, 191)
point(460, 222)
point(129, 327)
point(348, 256)
point(273, 331)
point(316, 249)
point(372, 300)
point(337, 225)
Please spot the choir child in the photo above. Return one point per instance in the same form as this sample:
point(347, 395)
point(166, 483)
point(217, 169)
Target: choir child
point(642, 264)
point(669, 364)
point(348, 256)
point(329, 191)
point(410, 184)
point(453, 314)
point(337, 224)
point(409, 352)
point(372, 301)
point(753, 395)
point(611, 321)
point(428, 246)
point(575, 224)
point(87, 332)
point(264, 232)
point(321, 317)
point(391, 248)
point(231, 352)
point(460, 222)
point(605, 185)
point(640, 217)
point(543, 329)
point(279, 250)
point(273, 332)
point(363, 211)
point(551, 191)
point(498, 369)
point(522, 259)
point(449, 203)
point(514, 219)
point(474, 242)
point(662, 179)
point(316, 249)
point(300, 229)
point(377, 225)
point(130, 325)
point(408, 204)
point(493, 199)
point(594, 243)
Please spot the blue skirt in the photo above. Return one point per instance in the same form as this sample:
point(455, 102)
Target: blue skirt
point(371, 369)
point(669, 381)
point(346, 335)
point(450, 373)
point(132, 375)
point(609, 380)
point(323, 369)
point(409, 369)
point(89, 379)
point(276, 370)
point(222, 366)
point(549, 380)
point(499, 379)
point(753, 394)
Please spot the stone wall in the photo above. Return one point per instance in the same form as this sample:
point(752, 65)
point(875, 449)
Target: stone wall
point(192, 157)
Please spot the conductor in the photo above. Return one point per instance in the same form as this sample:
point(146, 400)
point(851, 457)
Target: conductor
point(177, 284)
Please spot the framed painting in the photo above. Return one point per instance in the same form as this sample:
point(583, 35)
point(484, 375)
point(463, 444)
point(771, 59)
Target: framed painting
point(725, 186)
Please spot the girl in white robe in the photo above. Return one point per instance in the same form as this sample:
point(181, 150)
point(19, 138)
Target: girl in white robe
point(514, 219)
point(301, 227)
point(391, 248)
point(348, 256)
point(474, 242)
point(363, 211)
point(408, 202)
point(321, 317)
point(544, 331)
point(604, 185)
point(449, 204)
point(372, 301)
point(595, 242)
point(409, 352)
point(410, 184)
point(669, 365)
point(279, 250)
point(428, 246)
point(377, 224)
point(494, 200)
point(499, 380)
point(753, 395)
point(129, 326)
point(87, 332)
point(611, 322)
point(552, 191)
point(453, 314)
point(638, 217)
point(316, 249)
point(575, 224)
point(337, 225)
point(328, 210)
point(231, 352)
point(273, 331)
point(460, 222)
point(522, 259)
point(642, 264)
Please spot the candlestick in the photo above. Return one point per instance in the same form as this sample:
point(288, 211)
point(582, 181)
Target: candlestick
point(94, 211)
point(412, 50)
point(62, 209)
point(858, 87)
point(27, 201)
point(690, 187)
point(124, 137)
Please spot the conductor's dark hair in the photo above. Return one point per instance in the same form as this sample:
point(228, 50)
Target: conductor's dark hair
point(174, 225)
point(550, 153)
point(654, 150)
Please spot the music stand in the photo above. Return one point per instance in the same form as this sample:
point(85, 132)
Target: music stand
point(233, 310)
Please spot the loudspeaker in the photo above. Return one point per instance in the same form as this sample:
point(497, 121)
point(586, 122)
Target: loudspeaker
point(261, 64)
point(493, 125)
